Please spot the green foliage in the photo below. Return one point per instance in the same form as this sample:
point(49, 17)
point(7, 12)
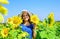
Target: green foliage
point(13, 33)
point(48, 32)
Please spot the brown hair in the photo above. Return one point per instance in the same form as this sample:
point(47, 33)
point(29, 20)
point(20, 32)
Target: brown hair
point(27, 14)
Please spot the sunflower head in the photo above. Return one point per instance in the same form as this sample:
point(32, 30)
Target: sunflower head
point(4, 2)
point(9, 20)
point(4, 32)
point(17, 20)
point(34, 19)
point(51, 19)
point(3, 10)
point(51, 15)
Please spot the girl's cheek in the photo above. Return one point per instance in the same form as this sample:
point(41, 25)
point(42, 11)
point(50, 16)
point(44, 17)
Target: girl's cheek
point(25, 17)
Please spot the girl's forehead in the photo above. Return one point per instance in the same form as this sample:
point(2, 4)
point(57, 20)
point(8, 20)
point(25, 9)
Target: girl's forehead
point(25, 13)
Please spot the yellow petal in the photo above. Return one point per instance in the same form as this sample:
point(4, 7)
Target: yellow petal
point(9, 20)
point(34, 19)
point(17, 20)
point(4, 2)
point(51, 17)
point(4, 32)
point(24, 34)
point(1, 18)
point(3, 10)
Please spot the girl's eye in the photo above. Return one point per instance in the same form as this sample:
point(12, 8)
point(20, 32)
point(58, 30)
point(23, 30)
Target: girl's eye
point(26, 15)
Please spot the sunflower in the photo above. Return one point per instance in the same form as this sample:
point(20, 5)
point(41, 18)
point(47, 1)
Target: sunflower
point(9, 20)
point(17, 20)
point(4, 1)
point(34, 19)
point(51, 19)
point(24, 34)
point(4, 32)
point(3, 10)
point(1, 18)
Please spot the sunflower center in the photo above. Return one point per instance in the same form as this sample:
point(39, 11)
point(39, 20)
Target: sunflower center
point(5, 32)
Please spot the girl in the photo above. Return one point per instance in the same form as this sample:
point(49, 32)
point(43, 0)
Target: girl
point(27, 25)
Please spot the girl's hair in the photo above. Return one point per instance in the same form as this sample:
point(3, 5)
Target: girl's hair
point(27, 14)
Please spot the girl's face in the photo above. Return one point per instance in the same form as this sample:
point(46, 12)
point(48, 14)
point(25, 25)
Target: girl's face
point(25, 16)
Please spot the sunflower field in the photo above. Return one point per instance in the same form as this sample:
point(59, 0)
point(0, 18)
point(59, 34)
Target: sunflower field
point(11, 29)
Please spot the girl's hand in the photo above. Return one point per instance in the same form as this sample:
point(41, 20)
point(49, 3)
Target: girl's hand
point(34, 31)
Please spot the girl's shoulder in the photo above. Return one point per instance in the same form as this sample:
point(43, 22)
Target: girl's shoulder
point(32, 25)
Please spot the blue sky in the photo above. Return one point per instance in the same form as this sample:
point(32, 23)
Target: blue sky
point(40, 7)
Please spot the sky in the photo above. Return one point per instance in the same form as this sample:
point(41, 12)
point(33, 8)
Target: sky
point(41, 8)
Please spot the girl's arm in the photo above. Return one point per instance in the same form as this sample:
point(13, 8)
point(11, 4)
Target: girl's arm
point(34, 32)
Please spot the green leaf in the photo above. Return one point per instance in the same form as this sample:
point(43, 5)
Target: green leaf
point(43, 34)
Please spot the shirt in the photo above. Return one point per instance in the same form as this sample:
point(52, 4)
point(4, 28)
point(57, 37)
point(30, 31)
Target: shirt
point(28, 29)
